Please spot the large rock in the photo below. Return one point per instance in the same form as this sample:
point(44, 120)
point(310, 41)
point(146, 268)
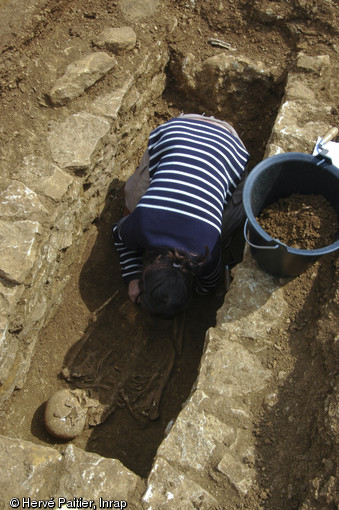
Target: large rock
point(18, 202)
point(92, 477)
point(45, 178)
point(195, 436)
point(80, 75)
point(170, 489)
point(316, 64)
point(296, 88)
point(109, 105)
point(17, 249)
point(299, 123)
point(42, 473)
point(225, 81)
point(116, 39)
point(302, 118)
point(74, 141)
point(219, 73)
point(26, 470)
point(229, 369)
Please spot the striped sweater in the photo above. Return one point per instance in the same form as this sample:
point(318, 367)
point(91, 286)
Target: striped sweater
point(194, 168)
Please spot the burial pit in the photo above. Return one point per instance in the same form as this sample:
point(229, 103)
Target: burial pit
point(236, 405)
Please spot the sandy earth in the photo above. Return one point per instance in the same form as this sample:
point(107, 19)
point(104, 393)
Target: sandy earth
point(31, 55)
point(305, 222)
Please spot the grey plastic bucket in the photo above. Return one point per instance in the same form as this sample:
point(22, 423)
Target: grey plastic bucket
point(280, 176)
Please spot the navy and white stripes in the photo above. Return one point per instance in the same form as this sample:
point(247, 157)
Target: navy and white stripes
point(130, 262)
point(194, 168)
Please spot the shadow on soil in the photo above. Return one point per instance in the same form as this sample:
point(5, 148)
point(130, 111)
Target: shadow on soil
point(291, 444)
point(127, 356)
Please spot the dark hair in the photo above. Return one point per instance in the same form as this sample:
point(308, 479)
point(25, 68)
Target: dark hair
point(167, 279)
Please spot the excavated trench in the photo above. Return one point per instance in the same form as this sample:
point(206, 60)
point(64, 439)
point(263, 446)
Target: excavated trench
point(243, 415)
point(126, 358)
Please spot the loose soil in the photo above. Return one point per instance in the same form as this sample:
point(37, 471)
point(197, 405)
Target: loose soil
point(292, 450)
point(305, 222)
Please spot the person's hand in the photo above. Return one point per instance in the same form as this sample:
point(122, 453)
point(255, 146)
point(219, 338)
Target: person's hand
point(134, 290)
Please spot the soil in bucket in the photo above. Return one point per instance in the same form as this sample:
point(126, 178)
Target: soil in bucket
point(305, 222)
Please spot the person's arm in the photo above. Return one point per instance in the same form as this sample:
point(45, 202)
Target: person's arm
point(130, 259)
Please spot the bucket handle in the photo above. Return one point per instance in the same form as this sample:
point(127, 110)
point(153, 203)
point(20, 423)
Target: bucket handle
point(255, 245)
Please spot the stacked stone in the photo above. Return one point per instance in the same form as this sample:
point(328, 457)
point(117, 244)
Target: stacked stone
point(76, 477)
point(215, 431)
point(53, 199)
point(302, 117)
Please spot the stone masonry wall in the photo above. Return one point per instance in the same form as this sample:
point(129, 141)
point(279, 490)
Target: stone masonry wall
point(209, 458)
point(51, 200)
